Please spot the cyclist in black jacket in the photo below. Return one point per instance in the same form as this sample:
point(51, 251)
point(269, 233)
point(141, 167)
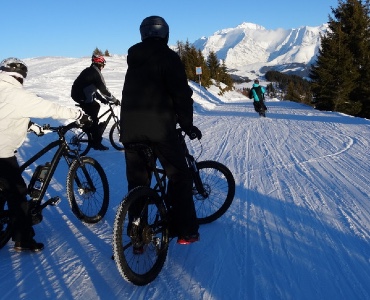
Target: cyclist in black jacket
point(88, 87)
point(155, 97)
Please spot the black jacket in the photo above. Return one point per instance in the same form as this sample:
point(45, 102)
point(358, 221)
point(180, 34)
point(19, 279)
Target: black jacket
point(155, 95)
point(90, 77)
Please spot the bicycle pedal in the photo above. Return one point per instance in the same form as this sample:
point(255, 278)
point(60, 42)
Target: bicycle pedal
point(55, 201)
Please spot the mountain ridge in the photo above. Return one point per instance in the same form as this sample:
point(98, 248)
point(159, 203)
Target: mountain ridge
point(251, 48)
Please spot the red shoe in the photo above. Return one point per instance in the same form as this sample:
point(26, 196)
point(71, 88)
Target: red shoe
point(188, 239)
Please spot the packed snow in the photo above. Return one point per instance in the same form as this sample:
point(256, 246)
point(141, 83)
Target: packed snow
point(298, 228)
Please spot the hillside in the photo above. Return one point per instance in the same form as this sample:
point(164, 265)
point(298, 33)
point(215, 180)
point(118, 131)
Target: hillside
point(299, 226)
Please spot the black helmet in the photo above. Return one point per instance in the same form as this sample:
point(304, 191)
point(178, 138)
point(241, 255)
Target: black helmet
point(154, 26)
point(14, 67)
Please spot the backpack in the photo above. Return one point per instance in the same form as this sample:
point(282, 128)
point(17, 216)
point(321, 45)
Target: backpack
point(258, 91)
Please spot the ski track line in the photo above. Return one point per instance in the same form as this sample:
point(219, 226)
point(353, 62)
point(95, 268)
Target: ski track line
point(265, 235)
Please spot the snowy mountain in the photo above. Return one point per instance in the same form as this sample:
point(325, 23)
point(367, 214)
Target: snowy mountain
point(252, 48)
point(298, 228)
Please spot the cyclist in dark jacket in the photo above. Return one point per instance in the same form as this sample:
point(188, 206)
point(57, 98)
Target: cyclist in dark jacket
point(155, 97)
point(88, 87)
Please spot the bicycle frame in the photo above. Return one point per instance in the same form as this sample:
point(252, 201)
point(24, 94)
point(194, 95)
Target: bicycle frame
point(160, 174)
point(62, 150)
point(192, 164)
point(111, 115)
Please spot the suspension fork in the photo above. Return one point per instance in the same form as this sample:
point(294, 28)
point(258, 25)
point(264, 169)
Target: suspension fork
point(83, 168)
point(195, 174)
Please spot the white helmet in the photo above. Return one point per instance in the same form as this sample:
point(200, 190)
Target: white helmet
point(14, 67)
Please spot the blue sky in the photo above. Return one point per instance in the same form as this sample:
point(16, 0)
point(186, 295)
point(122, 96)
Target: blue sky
point(74, 28)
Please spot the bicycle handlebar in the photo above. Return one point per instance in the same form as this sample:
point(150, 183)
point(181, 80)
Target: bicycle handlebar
point(47, 128)
point(63, 128)
point(110, 103)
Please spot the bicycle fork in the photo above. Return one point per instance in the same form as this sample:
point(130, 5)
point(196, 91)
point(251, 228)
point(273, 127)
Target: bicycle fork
point(87, 185)
point(197, 180)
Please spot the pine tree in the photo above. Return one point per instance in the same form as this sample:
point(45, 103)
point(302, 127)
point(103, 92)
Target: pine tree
point(211, 68)
point(97, 51)
point(213, 65)
point(206, 75)
point(193, 58)
point(339, 76)
point(225, 78)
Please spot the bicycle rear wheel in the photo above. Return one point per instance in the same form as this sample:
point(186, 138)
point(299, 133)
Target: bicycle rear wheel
point(140, 236)
point(79, 140)
point(87, 190)
point(114, 137)
point(5, 221)
point(219, 189)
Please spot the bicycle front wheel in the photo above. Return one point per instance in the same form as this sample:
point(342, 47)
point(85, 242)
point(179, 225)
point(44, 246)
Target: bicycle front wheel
point(140, 236)
point(5, 221)
point(79, 140)
point(87, 190)
point(114, 137)
point(213, 191)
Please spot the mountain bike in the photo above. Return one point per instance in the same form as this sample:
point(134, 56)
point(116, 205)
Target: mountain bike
point(87, 185)
point(143, 218)
point(81, 140)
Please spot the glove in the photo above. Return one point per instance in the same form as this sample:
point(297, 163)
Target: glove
point(116, 102)
point(36, 129)
point(193, 133)
point(84, 121)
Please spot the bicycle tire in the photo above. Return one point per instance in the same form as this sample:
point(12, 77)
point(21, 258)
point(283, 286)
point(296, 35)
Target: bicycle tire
point(114, 137)
point(219, 184)
point(6, 227)
point(78, 139)
point(88, 204)
point(152, 234)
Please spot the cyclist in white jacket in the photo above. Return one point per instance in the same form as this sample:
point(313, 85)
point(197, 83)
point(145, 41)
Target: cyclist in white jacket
point(17, 106)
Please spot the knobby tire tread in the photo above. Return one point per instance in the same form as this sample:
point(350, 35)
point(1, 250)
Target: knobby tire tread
point(113, 134)
point(119, 231)
point(222, 204)
point(99, 199)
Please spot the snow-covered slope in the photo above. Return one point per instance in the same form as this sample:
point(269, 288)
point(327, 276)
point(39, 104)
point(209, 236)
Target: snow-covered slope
point(299, 226)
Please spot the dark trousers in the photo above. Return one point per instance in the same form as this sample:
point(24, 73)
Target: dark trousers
point(16, 194)
point(92, 109)
point(259, 106)
point(180, 183)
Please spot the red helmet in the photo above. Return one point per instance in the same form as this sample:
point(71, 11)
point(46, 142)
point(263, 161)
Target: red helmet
point(98, 59)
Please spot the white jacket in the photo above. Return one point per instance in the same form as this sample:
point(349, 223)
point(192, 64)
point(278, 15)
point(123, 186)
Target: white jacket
point(17, 106)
